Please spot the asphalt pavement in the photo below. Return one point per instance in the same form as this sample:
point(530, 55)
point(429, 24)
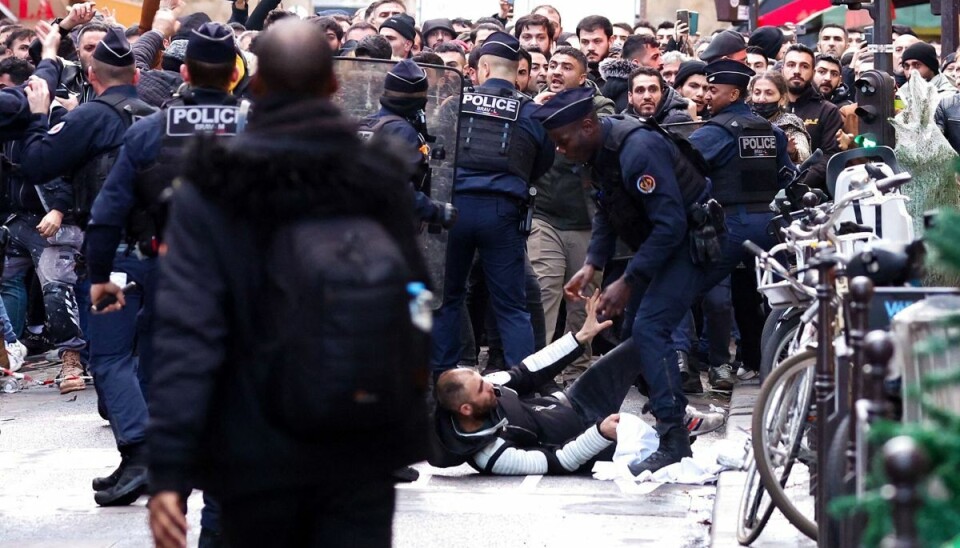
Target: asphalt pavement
point(51, 446)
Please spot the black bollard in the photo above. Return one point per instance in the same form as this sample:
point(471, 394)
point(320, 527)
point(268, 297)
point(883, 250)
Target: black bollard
point(907, 465)
point(878, 349)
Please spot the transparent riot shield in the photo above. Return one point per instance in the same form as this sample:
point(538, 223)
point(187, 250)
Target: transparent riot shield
point(361, 85)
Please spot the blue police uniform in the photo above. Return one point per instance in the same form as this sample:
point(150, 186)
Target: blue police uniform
point(136, 176)
point(745, 191)
point(491, 184)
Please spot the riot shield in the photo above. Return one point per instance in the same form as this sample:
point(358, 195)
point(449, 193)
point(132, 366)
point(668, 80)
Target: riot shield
point(361, 85)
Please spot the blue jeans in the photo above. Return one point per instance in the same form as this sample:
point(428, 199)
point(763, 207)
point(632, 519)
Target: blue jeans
point(488, 224)
point(116, 339)
point(13, 293)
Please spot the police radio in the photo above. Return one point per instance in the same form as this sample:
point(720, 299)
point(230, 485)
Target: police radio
point(526, 222)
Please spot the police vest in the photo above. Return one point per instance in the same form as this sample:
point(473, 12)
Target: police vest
point(490, 138)
point(751, 177)
point(88, 180)
point(624, 210)
point(183, 120)
point(371, 125)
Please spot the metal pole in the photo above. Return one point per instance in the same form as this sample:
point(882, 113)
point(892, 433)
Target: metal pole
point(754, 14)
point(948, 25)
point(824, 388)
point(883, 36)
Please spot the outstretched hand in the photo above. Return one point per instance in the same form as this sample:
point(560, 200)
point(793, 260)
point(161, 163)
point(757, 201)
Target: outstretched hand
point(591, 326)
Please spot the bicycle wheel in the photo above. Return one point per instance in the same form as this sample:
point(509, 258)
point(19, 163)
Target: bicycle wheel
point(779, 419)
point(756, 506)
point(776, 347)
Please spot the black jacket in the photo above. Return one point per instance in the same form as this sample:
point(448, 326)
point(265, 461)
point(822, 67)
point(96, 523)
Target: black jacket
point(525, 435)
point(207, 427)
point(671, 110)
point(822, 120)
point(947, 118)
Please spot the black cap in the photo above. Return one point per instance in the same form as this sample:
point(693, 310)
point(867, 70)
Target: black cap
point(114, 49)
point(923, 52)
point(403, 24)
point(211, 43)
point(726, 43)
point(438, 24)
point(501, 44)
point(688, 69)
point(728, 71)
point(565, 108)
point(406, 77)
point(769, 39)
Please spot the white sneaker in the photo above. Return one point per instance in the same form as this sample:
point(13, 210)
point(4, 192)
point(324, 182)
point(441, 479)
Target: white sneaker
point(699, 422)
point(16, 354)
point(746, 374)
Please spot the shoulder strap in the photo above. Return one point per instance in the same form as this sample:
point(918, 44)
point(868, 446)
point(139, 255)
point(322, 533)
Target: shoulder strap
point(128, 108)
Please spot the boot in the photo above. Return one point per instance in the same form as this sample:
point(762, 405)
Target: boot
point(71, 373)
point(132, 481)
point(674, 446)
point(106, 482)
point(689, 376)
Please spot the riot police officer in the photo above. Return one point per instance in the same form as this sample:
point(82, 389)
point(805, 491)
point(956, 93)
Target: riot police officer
point(402, 116)
point(81, 148)
point(132, 204)
point(652, 197)
point(748, 162)
point(500, 151)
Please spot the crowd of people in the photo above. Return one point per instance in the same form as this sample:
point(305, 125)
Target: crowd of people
point(652, 153)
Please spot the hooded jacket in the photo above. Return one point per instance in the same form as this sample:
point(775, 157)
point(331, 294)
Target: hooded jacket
point(208, 427)
point(615, 73)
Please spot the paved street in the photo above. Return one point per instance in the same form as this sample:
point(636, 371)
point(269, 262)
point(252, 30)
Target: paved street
point(52, 445)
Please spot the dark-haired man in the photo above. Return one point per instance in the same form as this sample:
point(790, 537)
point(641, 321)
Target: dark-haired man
point(437, 31)
point(828, 79)
point(14, 71)
point(594, 33)
point(534, 31)
point(820, 117)
point(833, 40)
point(539, 62)
point(639, 50)
point(651, 97)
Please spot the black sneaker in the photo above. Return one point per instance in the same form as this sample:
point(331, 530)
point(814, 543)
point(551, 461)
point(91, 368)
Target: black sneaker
point(130, 485)
point(106, 482)
point(674, 446)
point(722, 377)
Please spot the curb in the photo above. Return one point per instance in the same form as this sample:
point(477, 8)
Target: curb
point(726, 505)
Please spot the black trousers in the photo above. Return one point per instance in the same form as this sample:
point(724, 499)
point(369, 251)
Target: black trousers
point(358, 514)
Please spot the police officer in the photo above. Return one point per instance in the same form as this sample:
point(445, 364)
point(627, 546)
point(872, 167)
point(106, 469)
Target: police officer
point(649, 195)
point(80, 148)
point(500, 151)
point(748, 162)
point(132, 204)
point(402, 116)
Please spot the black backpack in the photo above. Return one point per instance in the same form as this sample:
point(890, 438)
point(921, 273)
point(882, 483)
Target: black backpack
point(344, 354)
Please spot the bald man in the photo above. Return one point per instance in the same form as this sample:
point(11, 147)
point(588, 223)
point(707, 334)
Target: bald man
point(216, 421)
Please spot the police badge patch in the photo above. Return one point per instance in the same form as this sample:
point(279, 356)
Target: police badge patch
point(55, 129)
point(646, 184)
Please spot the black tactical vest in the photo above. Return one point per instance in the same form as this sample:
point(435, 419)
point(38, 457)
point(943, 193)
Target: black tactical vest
point(751, 176)
point(624, 211)
point(88, 180)
point(183, 120)
point(490, 138)
point(371, 125)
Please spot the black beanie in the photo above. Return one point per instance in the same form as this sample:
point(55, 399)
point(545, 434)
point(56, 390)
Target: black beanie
point(769, 39)
point(923, 52)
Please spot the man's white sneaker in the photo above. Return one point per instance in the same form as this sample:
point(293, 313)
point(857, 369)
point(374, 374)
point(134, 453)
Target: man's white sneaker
point(16, 354)
point(746, 374)
point(700, 422)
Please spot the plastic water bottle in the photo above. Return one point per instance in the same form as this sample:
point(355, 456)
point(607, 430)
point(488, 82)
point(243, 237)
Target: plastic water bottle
point(420, 312)
point(11, 385)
